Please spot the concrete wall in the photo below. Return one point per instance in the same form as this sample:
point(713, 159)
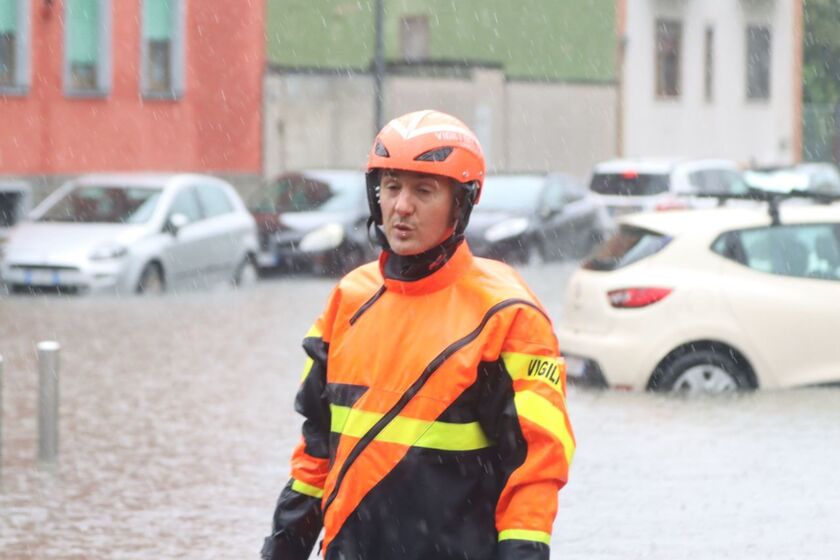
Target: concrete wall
point(326, 120)
point(730, 125)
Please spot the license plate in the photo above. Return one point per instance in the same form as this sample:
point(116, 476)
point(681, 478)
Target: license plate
point(41, 277)
point(267, 260)
point(623, 210)
point(575, 367)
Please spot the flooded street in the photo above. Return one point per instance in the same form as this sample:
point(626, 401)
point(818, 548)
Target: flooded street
point(177, 425)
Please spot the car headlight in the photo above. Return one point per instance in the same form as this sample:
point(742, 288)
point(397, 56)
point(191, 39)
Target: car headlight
point(108, 252)
point(504, 230)
point(324, 238)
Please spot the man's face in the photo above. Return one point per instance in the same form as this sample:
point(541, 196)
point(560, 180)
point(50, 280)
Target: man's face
point(417, 210)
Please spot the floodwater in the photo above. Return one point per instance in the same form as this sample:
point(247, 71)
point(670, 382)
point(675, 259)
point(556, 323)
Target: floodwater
point(177, 425)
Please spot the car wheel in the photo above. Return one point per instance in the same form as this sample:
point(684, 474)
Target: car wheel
point(246, 273)
point(703, 371)
point(151, 280)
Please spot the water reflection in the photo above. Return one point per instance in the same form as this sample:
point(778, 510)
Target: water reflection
point(177, 424)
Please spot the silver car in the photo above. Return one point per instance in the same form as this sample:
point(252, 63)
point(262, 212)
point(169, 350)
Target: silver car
point(133, 233)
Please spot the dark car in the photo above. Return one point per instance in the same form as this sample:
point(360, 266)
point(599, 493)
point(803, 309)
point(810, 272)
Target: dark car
point(313, 221)
point(15, 203)
point(523, 218)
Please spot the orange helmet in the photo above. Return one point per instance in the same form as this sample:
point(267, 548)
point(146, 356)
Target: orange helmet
point(427, 142)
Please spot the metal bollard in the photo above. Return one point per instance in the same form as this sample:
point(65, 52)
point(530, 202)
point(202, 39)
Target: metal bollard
point(48, 363)
point(1, 418)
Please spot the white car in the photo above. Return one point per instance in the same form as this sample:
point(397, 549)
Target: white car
point(625, 186)
point(133, 233)
point(709, 300)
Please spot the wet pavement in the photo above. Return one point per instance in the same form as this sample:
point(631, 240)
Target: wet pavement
point(177, 425)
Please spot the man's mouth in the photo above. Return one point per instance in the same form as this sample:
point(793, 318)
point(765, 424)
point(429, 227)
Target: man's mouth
point(402, 230)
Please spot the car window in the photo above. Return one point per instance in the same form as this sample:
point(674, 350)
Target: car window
point(9, 202)
point(214, 201)
point(630, 183)
point(570, 190)
point(508, 193)
point(628, 245)
point(298, 193)
point(554, 198)
point(187, 204)
point(104, 204)
point(802, 251)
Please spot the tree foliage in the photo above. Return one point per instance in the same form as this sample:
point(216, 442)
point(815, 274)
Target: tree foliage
point(821, 65)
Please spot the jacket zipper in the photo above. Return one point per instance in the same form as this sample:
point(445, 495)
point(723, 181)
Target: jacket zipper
point(365, 306)
point(415, 387)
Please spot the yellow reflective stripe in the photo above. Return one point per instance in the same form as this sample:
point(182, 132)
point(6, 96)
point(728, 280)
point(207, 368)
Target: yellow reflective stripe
point(548, 370)
point(543, 413)
point(307, 489)
point(445, 436)
point(313, 332)
point(525, 535)
point(307, 367)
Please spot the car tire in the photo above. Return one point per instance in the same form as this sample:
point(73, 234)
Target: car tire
point(702, 371)
point(246, 273)
point(151, 280)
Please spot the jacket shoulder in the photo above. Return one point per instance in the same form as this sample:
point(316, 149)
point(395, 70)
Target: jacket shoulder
point(501, 281)
point(360, 283)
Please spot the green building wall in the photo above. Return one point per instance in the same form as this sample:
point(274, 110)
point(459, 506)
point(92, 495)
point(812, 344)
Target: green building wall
point(564, 40)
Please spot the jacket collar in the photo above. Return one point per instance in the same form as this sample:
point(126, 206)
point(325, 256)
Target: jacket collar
point(440, 278)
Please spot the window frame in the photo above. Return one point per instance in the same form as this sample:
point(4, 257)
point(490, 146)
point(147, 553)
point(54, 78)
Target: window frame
point(177, 49)
point(660, 25)
point(709, 64)
point(104, 54)
point(415, 30)
point(765, 91)
point(23, 32)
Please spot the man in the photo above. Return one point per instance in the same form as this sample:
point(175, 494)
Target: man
point(434, 397)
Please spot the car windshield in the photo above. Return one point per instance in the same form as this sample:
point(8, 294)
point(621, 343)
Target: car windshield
point(506, 193)
point(629, 183)
point(103, 204)
point(316, 193)
point(628, 245)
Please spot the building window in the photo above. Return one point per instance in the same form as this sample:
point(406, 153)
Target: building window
point(668, 55)
point(414, 37)
point(87, 34)
point(709, 64)
point(758, 62)
point(162, 51)
point(14, 46)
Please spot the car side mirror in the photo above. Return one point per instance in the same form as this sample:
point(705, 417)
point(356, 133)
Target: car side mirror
point(175, 223)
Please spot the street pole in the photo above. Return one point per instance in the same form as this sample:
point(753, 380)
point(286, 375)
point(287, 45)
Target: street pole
point(378, 66)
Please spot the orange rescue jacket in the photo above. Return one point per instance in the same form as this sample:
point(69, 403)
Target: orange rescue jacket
point(435, 421)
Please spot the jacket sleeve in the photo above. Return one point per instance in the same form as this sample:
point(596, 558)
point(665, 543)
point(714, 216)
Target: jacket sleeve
point(525, 414)
point(297, 517)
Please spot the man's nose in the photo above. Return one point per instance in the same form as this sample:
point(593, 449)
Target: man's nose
point(404, 205)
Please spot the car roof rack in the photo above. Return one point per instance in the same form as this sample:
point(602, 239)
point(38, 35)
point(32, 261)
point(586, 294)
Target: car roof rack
point(772, 198)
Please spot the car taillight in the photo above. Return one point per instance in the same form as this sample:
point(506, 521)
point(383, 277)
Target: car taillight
point(637, 297)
